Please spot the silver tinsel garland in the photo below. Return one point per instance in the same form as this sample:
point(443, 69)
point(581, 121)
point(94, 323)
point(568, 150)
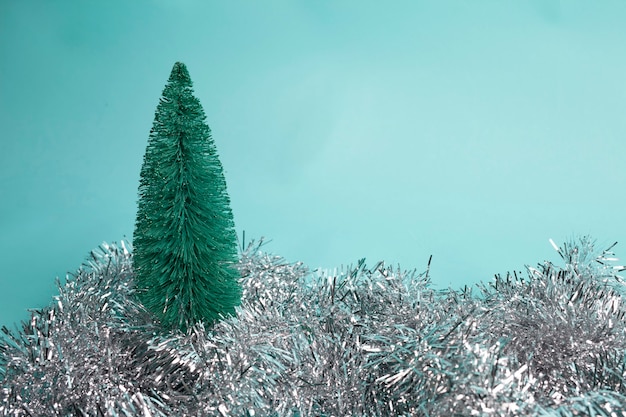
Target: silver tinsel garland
point(363, 341)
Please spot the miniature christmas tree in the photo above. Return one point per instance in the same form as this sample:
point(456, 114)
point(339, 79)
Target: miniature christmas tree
point(184, 240)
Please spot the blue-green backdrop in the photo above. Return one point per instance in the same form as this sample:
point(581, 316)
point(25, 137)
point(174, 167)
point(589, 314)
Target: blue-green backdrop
point(470, 130)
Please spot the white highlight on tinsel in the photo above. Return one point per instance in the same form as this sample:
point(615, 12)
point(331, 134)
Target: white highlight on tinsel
point(554, 245)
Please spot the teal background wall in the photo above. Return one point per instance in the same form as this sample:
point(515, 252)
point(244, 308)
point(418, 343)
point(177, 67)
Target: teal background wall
point(470, 130)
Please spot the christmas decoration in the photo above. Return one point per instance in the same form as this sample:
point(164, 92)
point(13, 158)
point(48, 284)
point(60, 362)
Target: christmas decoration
point(364, 341)
point(184, 239)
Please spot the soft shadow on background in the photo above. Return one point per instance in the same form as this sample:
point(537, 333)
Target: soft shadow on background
point(470, 131)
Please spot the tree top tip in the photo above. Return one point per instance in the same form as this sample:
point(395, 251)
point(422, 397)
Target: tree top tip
point(179, 72)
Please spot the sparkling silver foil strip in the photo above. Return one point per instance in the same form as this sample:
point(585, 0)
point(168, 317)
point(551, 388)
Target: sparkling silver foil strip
point(360, 341)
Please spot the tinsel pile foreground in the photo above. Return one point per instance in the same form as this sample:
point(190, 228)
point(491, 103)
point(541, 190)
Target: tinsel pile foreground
point(366, 341)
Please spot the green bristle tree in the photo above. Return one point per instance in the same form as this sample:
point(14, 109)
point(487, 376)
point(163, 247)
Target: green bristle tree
point(185, 247)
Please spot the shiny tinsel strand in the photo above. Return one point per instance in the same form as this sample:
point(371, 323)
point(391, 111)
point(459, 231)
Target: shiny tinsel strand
point(361, 341)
